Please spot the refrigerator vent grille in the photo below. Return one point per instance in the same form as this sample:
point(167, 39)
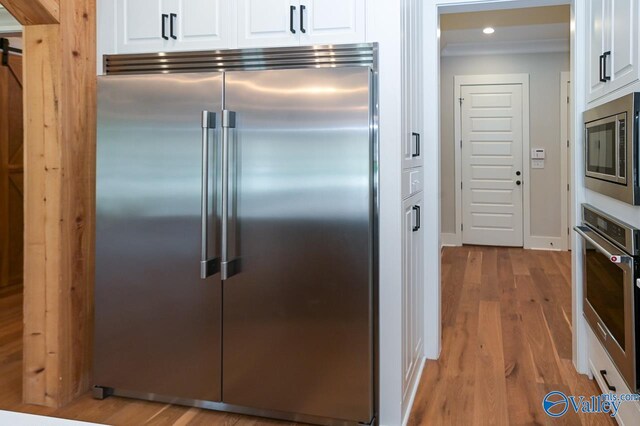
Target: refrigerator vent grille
point(248, 59)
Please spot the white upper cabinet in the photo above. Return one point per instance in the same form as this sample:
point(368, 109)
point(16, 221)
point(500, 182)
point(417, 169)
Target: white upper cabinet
point(268, 23)
point(624, 43)
point(147, 26)
point(332, 21)
point(596, 47)
point(612, 46)
point(205, 24)
point(167, 25)
point(139, 26)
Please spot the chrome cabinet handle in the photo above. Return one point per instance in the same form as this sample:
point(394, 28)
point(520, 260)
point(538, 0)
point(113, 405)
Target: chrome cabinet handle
point(208, 266)
point(227, 266)
point(615, 258)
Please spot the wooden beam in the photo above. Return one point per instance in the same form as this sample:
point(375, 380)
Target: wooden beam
point(60, 119)
point(33, 12)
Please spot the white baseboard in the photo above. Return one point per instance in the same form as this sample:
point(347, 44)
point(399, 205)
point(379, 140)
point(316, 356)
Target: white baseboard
point(414, 391)
point(544, 243)
point(449, 240)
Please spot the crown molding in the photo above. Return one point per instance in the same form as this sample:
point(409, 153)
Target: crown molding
point(506, 47)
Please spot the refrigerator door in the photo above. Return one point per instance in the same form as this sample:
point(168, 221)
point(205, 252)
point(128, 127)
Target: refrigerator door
point(158, 324)
point(297, 316)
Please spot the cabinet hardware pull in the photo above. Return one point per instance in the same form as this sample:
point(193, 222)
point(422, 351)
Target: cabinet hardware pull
point(417, 151)
point(172, 26)
point(417, 225)
point(603, 373)
point(292, 11)
point(600, 77)
point(302, 9)
point(164, 26)
point(605, 77)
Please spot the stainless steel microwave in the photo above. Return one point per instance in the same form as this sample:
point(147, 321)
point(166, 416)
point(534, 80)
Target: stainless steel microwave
point(612, 152)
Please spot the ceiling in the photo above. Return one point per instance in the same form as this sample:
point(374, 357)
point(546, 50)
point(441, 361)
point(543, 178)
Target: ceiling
point(525, 30)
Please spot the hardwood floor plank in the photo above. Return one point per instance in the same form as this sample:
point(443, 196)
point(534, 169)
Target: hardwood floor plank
point(490, 408)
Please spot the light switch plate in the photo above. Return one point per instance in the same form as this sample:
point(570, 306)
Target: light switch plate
point(537, 164)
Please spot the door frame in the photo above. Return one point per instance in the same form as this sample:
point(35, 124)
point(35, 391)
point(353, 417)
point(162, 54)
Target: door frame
point(565, 167)
point(485, 80)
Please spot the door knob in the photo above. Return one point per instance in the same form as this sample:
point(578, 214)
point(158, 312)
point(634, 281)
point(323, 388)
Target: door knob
point(518, 183)
point(518, 173)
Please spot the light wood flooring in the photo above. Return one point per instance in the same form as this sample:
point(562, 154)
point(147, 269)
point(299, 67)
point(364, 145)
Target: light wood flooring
point(506, 318)
point(506, 343)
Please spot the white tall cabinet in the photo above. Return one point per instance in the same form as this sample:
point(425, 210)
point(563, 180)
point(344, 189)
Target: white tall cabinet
point(613, 47)
point(413, 200)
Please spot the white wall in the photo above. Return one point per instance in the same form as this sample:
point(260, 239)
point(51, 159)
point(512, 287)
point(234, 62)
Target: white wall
point(544, 70)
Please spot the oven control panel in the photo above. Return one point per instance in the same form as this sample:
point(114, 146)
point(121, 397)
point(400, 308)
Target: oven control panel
point(626, 236)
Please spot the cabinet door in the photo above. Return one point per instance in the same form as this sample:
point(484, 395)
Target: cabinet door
point(411, 82)
point(624, 43)
point(332, 21)
point(598, 24)
point(268, 23)
point(412, 291)
point(139, 26)
point(204, 24)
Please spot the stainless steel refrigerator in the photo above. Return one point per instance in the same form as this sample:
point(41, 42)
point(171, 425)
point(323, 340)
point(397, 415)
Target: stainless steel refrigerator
point(236, 231)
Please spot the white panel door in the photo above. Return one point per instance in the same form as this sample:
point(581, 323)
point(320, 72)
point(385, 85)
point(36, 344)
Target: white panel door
point(412, 291)
point(139, 26)
point(492, 137)
point(623, 68)
point(268, 23)
point(598, 25)
point(204, 24)
point(332, 21)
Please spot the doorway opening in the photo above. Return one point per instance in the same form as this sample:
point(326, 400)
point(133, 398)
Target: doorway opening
point(503, 155)
point(506, 310)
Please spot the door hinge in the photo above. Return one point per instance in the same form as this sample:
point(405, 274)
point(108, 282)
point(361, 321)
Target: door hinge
point(460, 99)
point(567, 143)
point(568, 188)
point(460, 185)
point(462, 227)
point(460, 143)
point(568, 231)
point(568, 100)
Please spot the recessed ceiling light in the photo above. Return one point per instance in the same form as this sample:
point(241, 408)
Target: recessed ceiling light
point(489, 30)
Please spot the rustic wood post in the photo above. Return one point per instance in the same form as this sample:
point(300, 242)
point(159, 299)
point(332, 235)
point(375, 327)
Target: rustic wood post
point(60, 119)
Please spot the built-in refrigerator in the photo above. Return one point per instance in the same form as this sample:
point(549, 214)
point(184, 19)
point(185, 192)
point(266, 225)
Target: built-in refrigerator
point(236, 246)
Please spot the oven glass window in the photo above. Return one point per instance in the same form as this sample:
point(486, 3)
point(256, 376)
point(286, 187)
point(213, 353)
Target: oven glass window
point(605, 292)
point(601, 149)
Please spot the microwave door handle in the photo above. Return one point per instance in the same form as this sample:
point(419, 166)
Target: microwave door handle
point(615, 258)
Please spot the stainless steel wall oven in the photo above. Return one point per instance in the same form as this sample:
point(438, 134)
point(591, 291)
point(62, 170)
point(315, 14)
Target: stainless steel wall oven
point(611, 283)
point(612, 154)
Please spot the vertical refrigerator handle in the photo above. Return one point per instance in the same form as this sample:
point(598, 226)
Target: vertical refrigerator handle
point(227, 266)
point(208, 266)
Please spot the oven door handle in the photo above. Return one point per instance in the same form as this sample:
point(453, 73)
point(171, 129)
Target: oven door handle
point(614, 258)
